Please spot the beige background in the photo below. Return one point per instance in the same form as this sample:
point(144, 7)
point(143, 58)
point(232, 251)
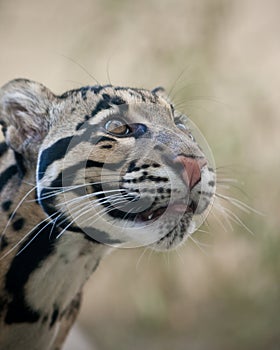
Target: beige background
point(221, 61)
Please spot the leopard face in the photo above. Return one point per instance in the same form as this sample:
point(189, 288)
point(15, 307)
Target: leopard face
point(130, 174)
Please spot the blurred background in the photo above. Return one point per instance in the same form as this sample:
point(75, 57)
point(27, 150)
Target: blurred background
point(219, 60)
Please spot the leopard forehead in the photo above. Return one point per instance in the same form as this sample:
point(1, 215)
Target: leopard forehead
point(79, 119)
point(104, 97)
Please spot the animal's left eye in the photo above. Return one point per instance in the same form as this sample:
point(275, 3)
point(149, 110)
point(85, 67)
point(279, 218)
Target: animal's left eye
point(181, 126)
point(191, 136)
point(186, 129)
point(117, 127)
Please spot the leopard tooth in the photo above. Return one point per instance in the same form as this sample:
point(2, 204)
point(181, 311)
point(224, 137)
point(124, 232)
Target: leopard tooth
point(150, 216)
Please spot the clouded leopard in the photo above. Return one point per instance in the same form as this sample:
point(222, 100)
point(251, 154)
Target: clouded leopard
point(82, 172)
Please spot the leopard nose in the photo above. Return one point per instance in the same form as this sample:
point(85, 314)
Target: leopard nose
point(190, 169)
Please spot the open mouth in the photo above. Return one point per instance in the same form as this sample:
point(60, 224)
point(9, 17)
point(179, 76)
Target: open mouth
point(175, 209)
point(131, 209)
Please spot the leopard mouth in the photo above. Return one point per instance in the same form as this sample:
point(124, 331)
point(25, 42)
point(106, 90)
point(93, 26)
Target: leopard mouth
point(131, 210)
point(175, 209)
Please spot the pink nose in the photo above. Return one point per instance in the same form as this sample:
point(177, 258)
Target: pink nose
point(190, 169)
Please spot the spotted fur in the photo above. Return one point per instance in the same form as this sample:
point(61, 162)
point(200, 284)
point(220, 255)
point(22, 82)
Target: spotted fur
point(96, 167)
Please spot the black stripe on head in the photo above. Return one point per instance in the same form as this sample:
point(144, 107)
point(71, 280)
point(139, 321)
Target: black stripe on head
point(83, 90)
point(106, 102)
point(55, 152)
point(7, 174)
point(60, 148)
point(31, 258)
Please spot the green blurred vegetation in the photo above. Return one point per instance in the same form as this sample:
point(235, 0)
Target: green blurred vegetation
point(219, 60)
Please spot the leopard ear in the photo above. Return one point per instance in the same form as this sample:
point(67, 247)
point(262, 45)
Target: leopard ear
point(24, 113)
point(161, 92)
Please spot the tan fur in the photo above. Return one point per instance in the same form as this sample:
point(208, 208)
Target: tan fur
point(47, 293)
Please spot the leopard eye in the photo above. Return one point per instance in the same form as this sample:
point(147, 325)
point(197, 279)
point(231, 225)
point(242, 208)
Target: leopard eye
point(117, 127)
point(181, 126)
point(186, 129)
point(191, 136)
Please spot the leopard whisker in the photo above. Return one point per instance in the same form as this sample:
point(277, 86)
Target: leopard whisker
point(239, 204)
point(199, 244)
point(217, 206)
point(141, 257)
point(89, 195)
point(82, 206)
point(83, 213)
point(232, 216)
point(27, 234)
point(61, 190)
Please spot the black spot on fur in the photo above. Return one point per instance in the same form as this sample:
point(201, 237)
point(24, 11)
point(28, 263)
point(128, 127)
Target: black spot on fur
point(54, 316)
point(131, 167)
point(211, 183)
point(106, 146)
point(158, 148)
point(6, 205)
point(6, 175)
point(79, 125)
point(72, 308)
point(142, 178)
point(3, 148)
point(20, 164)
point(156, 165)
point(97, 88)
point(36, 196)
point(205, 193)
point(18, 224)
point(3, 242)
point(84, 91)
point(145, 166)
point(93, 164)
point(4, 127)
point(157, 178)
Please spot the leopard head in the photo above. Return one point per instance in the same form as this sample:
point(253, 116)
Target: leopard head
point(119, 165)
